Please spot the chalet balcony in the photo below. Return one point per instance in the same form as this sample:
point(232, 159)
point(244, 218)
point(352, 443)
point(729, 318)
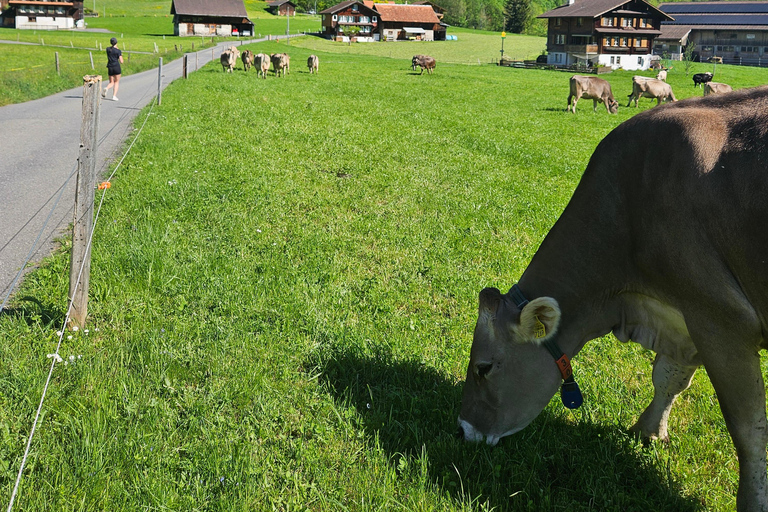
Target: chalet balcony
point(581, 48)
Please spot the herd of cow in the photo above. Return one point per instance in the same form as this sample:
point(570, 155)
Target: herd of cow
point(281, 62)
point(599, 90)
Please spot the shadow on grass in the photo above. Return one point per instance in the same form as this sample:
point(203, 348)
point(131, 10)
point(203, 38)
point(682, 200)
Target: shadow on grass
point(551, 465)
point(34, 312)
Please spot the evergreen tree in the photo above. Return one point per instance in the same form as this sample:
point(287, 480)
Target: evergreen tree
point(518, 14)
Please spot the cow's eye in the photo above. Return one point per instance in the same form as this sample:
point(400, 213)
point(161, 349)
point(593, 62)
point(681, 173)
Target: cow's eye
point(482, 369)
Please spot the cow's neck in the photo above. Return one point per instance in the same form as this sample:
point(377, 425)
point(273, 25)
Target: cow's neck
point(584, 263)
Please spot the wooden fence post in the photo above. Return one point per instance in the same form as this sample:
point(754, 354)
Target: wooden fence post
point(80, 260)
point(160, 81)
point(184, 67)
point(58, 69)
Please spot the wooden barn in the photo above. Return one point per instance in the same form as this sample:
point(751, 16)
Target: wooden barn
point(282, 8)
point(413, 22)
point(210, 18)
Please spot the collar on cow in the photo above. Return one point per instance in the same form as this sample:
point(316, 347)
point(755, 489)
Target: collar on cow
point(570, 393)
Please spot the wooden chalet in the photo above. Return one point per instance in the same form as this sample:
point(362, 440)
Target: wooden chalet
point(414, 22)
point(42, 15)
point(613, 33)
point(439, 11)
point(732, 32)
point(210, 18)
point(338, 20)
point(282, 8)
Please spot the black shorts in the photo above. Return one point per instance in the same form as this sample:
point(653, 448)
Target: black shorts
point(112, 71)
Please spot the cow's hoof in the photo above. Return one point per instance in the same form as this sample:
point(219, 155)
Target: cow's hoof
point(647, 437)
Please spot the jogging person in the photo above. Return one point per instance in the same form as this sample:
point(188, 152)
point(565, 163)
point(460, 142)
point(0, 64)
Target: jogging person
point(114, 59)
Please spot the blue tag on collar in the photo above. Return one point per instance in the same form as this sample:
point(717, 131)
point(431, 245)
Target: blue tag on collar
point(570, 394)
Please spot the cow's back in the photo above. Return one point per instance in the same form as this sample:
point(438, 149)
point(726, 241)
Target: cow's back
point(701, 163)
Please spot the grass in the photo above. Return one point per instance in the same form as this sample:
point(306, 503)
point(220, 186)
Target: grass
point(284, 287)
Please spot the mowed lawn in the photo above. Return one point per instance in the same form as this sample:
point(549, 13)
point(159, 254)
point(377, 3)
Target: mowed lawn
point(283, 291)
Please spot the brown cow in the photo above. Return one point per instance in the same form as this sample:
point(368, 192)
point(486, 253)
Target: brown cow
point(281, 63)
point(664, 244)
point(247, 58)
point(261, 61)
point(312, 63)
point(591, 88)
point(424, 62)
point(229, 58)
point(716, 88)
point(644, 87)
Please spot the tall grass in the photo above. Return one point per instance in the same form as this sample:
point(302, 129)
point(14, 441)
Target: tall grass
point(284, 284)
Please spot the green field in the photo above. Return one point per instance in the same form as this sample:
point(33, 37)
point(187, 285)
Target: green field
point(283, 291)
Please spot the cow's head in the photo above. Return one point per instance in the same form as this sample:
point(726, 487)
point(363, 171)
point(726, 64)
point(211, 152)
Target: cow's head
point(511, 377)
point(613, 106)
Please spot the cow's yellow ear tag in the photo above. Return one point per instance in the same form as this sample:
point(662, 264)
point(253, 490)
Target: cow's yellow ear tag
point(539, 330)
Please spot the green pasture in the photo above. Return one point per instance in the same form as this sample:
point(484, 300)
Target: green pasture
point(283, 291)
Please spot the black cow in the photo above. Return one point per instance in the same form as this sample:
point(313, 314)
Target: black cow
point(701, 78)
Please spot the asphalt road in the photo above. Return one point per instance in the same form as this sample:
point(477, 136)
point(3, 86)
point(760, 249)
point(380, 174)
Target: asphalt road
point(39, 146)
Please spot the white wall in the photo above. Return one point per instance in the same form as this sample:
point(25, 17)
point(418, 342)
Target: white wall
point(45, 22)
point(628, 62)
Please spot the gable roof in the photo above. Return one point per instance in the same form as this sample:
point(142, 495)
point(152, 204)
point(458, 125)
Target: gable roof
point(434, 6)
point(407, 13)
point(676, 33)
point(224, 8)
point(595, 8)
point(343, 5)
point(278, 3)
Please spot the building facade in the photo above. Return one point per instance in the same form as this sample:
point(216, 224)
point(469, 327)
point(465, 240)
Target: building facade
point(282, 8)
point(616, 34)
point(210, 18)
point(381, 22)
point(42, 14)
point(352, 18)
point(731, 32)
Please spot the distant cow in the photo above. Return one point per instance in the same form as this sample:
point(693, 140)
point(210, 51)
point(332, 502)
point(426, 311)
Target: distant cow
point(229, 58)
point(716, 88)
point(261, 62)
point(644, 87)
point(312, 63)
point(424, 62)
point(280, 63)
point(591, 88)
point(701, 78)
point(662, 75)
point(247, 57)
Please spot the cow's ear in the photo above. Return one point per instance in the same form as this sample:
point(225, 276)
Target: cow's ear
point(489, 301)
point(539, 319)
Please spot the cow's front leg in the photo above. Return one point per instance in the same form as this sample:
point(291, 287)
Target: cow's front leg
point(669, 380)
point(594, 105)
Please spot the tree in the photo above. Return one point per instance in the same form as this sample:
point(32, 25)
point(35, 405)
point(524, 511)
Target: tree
point(518, 13)
point(688, 56)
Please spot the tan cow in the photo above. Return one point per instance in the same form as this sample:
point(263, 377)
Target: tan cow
point(424, 62)
point(261, 61)
point(716, 88)
point(591, 88)
point(644, 87)
point(281, 63)
point(247, 58)
point(664, 244)
point(662, 75)
point(229, 58)
point(312, 63)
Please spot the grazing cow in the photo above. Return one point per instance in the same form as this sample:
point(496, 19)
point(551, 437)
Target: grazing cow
point(280, 63)
point(662, 75)
point(716, 88)
point(261, 61)
point(702, 78)
point(591, 88)
point(229, 58)
point(663, 243)
point(644, 87)
point(424, 62)
point(312, 63)
point(247, 58)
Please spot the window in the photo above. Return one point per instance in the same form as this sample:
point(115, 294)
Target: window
point(323, 17)
point(559, 38)
point(334, 18)
point(624, 41)
point(579, 22)
point(639, 61)
point(626, 22)
point(374, 19)
point(646, 23)
point(355, 8)
point(558, 21)
point(613, 60)
point(641, 42)
point(607, 22)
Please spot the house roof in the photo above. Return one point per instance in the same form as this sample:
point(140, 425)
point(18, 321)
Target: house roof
point(278, 3)
point(435, 7)
point(721, 19)
point(224, 8)
point(595, 8)
point(714, 7)
point(343, 5)
point(407, 13)
point(674, 32)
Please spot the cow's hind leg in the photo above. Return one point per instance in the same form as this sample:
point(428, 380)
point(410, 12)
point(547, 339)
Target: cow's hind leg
point(669, 380)
point(571, 107)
